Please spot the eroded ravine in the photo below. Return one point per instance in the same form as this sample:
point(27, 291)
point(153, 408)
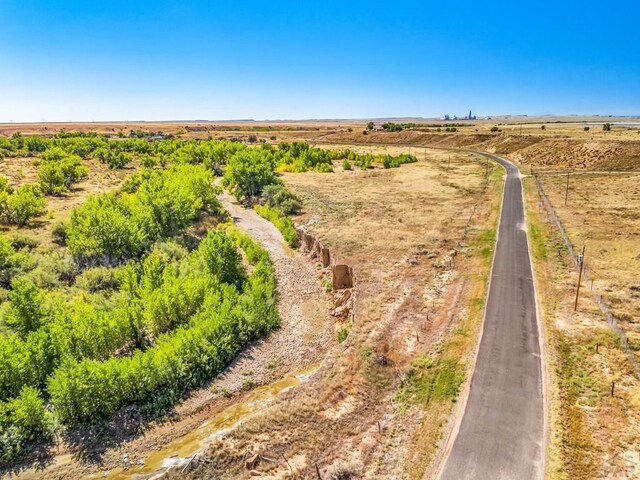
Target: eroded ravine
point(278, 362)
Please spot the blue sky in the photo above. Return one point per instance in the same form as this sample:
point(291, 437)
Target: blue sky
point(142, 60)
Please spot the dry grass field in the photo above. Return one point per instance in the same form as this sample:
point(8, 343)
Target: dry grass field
point(603, 215)
point(594, 434)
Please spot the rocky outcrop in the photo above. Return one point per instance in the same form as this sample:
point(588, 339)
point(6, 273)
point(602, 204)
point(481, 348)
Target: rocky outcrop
point(342, 275)
point(343, 279)
point(310, 244)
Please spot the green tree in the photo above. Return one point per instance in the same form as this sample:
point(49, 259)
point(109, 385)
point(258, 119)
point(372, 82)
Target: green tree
point(6, 260)
point(5, 191)
point(28, 414)
point(370, 126)
point(25, 203)
point(58, 176)
point(25, 312)
point(54, 154)
point(248, 172)
point(221, 258)
point(106, 226)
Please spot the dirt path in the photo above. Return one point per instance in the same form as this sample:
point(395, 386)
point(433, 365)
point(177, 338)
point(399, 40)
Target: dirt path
point(302, 303)
point(303, 338)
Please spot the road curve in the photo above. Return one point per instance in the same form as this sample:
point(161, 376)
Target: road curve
point(501, 434)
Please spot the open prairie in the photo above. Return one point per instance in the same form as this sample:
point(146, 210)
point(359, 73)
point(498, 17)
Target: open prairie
point(363, 379)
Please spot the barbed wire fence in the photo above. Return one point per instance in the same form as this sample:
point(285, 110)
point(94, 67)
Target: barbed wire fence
point(610, 318)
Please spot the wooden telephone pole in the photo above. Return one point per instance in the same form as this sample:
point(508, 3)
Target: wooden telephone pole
point(581, 259)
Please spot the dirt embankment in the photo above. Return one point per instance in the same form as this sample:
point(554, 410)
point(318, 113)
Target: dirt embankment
point(537, 151)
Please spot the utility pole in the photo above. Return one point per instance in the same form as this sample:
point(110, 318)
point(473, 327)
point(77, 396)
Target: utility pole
point(581, 261)
point(566, 192)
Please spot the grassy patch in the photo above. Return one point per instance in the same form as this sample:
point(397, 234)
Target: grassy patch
point(577, 445)
point(486, 243)
point(538, 245)
point(343, 332)
point(429, 380)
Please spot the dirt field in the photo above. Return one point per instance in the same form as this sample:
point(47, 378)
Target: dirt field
point(594, 434)
point(399, 229)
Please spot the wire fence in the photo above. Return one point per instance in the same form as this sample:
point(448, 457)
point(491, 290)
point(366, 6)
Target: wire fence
point(611, 319)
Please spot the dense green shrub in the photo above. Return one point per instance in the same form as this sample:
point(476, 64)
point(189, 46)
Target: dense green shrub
point(301, 157)
point(278, 196)
point(282, 223)
point(346, 164)
point(392, 127)
point(115, 226)
point(97, 279)
point(221, 258)
point(389, 161)
point(58, 176)
point(112, 158)
point(20, 240)
point(248, 172)
point(26, 311)
point(180, 360)
point(7, 261)
point(324, 168)
point(23, 419)
point(59, 231)
point(24, 203)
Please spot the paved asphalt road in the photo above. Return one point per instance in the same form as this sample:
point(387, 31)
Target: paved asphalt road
point(502, 431)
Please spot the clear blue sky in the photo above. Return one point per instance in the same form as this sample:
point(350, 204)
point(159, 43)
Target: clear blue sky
point(142, 60)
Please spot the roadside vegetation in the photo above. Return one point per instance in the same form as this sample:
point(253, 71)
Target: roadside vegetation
point(593, 392)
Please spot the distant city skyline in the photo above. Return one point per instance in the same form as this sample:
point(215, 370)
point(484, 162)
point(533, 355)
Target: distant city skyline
point(144, 60)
